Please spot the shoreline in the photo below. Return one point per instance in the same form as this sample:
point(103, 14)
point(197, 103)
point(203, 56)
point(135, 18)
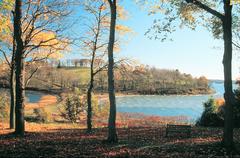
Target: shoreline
point(59, 91)
point(119, 95)
point(48, 92)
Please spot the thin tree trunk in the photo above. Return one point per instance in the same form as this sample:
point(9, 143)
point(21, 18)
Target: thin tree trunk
point(19, 61)
point(227, 64)
point(112, 133)
point(92, 75)
point(89, 111)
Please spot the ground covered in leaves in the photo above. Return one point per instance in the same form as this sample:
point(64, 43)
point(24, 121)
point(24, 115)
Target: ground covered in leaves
point(67, 140)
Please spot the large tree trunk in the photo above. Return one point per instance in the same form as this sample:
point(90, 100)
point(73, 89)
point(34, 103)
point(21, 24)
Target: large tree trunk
point(112, 133)
point(19, 63)
point(12, 88)
point(12, 96)
point(227, 64)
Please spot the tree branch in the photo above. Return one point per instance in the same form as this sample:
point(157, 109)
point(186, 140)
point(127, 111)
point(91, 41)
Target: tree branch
point(5, 56)
point(29, 78)
point(236, 45)
point(206, 8)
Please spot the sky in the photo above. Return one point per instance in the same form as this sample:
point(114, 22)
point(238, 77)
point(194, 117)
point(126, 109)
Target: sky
point(194, 52)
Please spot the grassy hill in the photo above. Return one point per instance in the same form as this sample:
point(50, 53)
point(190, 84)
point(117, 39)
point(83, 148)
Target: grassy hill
point(82, 72)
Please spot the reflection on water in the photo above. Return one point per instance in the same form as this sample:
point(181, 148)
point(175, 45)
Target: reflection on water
point(191, 106)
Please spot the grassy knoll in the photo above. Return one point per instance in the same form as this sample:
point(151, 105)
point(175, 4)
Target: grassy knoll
point(83, 73)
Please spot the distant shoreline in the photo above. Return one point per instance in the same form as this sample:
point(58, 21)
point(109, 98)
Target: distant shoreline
point(118, 94)
point(54, 92)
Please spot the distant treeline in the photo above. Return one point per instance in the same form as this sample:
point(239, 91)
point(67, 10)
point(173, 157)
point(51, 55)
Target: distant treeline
point(128, 79)
point(146, 80)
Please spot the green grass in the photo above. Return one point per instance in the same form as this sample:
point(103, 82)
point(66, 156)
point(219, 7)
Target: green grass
point(82, 72)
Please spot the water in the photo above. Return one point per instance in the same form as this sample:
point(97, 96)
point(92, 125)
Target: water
point(190, 106)
point(31, 96)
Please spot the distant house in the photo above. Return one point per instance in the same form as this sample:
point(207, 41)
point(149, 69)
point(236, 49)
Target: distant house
point(76, 63)
point(84, 62)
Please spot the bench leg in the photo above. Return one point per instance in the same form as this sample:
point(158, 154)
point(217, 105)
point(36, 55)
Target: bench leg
point(166, 133)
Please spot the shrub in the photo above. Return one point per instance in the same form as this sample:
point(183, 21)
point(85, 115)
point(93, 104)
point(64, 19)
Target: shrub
point(100, 107)
point(4, 106)
point(72, 107)
point(41, 115)
point(236, 109)
point(211, 115)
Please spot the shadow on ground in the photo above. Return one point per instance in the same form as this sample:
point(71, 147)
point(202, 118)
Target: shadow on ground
point(136, 142)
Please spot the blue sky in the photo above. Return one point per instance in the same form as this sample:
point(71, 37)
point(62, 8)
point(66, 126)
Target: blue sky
point(193, 52)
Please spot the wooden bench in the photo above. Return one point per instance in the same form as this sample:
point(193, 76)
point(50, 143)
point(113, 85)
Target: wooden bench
point(178, 130)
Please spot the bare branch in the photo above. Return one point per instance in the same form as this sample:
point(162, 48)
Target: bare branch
point(206, 8)
point(5, 57)
point(236, 45)
point(31, 75)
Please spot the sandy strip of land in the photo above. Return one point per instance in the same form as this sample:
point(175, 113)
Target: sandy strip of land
point(44, 101)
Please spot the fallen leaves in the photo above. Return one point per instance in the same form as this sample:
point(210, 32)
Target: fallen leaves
point(71, 140)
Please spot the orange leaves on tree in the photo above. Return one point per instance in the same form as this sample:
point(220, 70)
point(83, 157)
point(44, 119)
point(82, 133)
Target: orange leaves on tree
point(49, 45)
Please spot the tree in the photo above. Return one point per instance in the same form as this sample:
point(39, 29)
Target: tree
point(96, 41)
point(227, 64)
point(112, 133)
point(37, 29)
point(219, 23)
point(95, 46)
point(19, 61)
point(8, 44)
point(41, 41)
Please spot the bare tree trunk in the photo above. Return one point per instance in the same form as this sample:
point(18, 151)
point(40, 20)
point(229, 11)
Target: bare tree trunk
point(12, 96)
point(89, 101)
point(112, 133)
point(92, 73)
point(227, 64)
point(19, 61)
point(12, 89)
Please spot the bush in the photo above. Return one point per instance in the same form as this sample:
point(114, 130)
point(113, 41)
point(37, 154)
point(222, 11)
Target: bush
point(41, 115)
point(100, 107)
point(72, 107)
point(211, 116)
point(4, 106)
point(236, 109)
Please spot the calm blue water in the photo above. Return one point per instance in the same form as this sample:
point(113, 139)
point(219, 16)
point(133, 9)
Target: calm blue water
point(31, 96)
point(190, 106)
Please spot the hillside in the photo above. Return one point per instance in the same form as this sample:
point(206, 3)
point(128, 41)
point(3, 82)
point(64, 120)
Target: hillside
point(134, 80)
